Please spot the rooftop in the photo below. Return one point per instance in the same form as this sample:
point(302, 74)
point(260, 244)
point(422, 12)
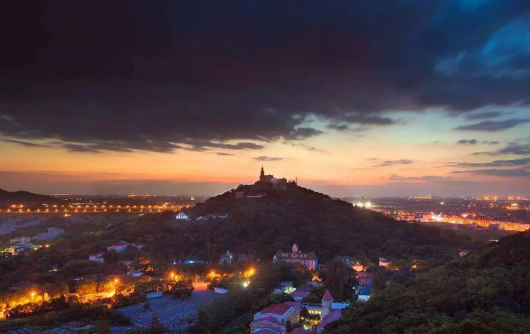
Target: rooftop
point(327, 296)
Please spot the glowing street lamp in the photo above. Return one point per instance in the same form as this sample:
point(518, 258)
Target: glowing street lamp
point(172, 275)
point(32, 295)
point(245, 284)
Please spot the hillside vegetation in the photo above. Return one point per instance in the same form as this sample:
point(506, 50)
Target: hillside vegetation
point(316, 222)
point(484, 292)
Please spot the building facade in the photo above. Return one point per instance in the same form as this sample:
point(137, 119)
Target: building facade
point(308, 260)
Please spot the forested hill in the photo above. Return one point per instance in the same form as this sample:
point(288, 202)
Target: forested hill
point(484, 292)
point(330, 227)
point(25, 198)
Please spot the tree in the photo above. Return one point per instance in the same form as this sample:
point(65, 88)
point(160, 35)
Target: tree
point(337, 275)
point(111, 257)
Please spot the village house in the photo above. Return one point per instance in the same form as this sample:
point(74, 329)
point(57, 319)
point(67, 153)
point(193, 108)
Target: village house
point(384, 262)
point(97, 257)
point(274, 317)
point(182, 216)
point(20, 240)
point(135, 273)
point(19, 248)
point(122, 245)
point(227, 258)
point(309, 260)
point(50, 234)
point(351, 262)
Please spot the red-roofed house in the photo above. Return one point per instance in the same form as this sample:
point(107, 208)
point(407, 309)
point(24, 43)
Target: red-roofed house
point(267, 324)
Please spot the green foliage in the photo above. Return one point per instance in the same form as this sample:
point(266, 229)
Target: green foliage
point(485, 292)
point(221, 311)
point(337, 278)
point(275, 298)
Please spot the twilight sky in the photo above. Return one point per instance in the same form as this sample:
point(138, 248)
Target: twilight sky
point(364, 97)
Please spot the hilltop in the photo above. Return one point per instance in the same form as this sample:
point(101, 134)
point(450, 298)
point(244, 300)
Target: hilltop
point(25, 198)
point(261, 219)
point(485, 292)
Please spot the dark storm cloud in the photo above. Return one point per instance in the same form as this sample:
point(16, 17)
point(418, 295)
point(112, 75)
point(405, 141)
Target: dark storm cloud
point(493, 125)
point(467, 142)
point(159, 76)
point(264, 158)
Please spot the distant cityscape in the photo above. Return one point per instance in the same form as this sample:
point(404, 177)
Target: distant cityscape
point(488, 212)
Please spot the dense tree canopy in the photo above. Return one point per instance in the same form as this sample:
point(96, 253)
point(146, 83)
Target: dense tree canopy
point(484, 292)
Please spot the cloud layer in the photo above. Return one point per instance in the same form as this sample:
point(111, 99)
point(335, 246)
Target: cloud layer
point(203, 75)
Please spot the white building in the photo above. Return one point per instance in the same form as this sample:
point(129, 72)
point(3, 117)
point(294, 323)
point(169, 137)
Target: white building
point(120, 246)
point(98, 257)
point(182, 216)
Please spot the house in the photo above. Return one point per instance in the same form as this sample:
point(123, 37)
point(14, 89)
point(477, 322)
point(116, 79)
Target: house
point(351, 262)
point(135, 273)
point(182, 216)
point(20, 240)
point(50, 234)
point(384, 262)
point(309, 260)
point(284, 287)
point(122, 245)
point(276, 315)
point(97, 257)
point(365, 278)
point(227, 258)
point(19, 248)
point(299, 295)
point(363, 292)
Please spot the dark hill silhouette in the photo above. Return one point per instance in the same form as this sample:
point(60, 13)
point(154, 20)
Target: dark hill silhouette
point(25, 198)
point(317, 222)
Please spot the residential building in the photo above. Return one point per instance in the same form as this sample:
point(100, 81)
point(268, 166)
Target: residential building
point(182, 216)
point(275, 316)
point(365, 278)
point(50, 234)
point(227, 258)
point(19, 248)
point(135, 273)
point(284, 287)
point(383, 262)
point(120, 246)
point(97, 257)
point(351, 262)
point(20, 240)
point(309, 260)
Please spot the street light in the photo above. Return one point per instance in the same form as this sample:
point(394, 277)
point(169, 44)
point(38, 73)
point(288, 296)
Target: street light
point(32, 295)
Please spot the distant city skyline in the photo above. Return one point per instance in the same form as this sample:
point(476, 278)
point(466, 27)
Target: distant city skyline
point(354, 98)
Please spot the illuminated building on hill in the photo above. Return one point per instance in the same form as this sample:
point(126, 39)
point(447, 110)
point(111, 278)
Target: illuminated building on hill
point(309, 260)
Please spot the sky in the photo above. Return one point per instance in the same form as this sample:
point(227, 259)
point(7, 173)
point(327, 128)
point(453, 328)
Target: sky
point(359, 98)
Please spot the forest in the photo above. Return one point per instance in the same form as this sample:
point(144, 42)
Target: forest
point(485, 292)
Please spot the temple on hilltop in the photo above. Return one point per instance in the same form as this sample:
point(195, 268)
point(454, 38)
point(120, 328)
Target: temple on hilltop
point(272, 181)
